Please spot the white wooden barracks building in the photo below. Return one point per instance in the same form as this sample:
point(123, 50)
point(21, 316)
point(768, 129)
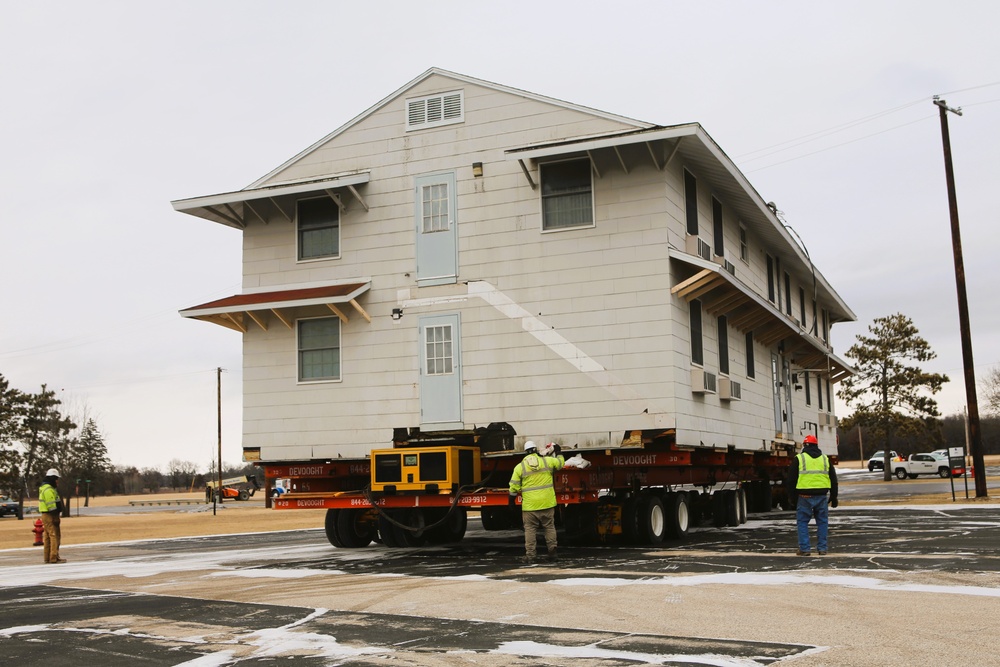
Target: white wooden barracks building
point(464, 253)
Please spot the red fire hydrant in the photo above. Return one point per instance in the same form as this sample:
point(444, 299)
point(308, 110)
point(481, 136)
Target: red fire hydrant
point(38, 531)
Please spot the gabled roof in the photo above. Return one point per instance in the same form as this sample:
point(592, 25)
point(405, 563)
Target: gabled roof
point(434, 71)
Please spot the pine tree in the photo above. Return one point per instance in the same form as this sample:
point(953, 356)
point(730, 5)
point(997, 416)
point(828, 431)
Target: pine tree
point(889, 392)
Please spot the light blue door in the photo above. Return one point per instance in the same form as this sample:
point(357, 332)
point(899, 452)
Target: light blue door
point(440, 371)
point(437, 229)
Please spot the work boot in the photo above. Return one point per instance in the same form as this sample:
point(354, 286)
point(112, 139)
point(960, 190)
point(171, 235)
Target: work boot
point(58, 560)
point(527, 560)
point(802, 553)
point(551, 557)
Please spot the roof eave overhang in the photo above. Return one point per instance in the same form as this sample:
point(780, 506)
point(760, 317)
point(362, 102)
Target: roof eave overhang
point(723, 294)
point(231, 208)
point(696, 147)
point(239, 314)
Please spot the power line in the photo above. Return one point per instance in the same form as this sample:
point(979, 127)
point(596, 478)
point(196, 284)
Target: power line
point(844, 143)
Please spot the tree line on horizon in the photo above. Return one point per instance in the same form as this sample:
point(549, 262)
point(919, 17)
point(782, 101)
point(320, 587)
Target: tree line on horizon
point(35, 435)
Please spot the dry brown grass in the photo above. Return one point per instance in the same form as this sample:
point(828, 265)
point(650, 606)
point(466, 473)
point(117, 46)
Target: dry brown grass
point(177, 521)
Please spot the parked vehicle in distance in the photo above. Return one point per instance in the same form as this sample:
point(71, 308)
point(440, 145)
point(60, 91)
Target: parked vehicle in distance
point(7, 506)
point(924, 464)
point(876, 462)
point(957, 463)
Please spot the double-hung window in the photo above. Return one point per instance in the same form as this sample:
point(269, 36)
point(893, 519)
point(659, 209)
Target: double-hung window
point(697, 349)
point(319, 349)
point(318, 222)
point(723, 344)
point(567, 194)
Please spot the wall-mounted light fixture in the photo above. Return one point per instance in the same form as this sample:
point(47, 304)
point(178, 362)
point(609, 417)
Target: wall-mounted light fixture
point(477, 169)
point(397, 313)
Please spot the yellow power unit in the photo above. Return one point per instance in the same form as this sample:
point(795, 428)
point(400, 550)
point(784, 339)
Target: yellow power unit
point(427, 469)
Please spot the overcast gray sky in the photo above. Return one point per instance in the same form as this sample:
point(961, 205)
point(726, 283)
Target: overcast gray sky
point(113, 109)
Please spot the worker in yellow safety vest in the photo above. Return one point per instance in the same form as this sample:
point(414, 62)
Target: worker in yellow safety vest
point(50, 507)
point(532, 480)
point(811, 479)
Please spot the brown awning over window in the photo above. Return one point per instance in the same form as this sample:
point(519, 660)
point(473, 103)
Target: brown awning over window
point(237, 311)
point(721, 293)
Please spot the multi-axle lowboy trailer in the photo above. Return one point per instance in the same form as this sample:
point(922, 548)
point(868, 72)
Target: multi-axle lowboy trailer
point(419, 492)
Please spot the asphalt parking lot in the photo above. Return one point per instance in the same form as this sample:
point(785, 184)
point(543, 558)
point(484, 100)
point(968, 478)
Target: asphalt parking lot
point(733, 596)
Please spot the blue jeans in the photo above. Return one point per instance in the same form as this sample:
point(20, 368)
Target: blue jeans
point(809, 507)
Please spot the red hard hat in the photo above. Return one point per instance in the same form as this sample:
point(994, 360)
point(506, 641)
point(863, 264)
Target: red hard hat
point(810, 440)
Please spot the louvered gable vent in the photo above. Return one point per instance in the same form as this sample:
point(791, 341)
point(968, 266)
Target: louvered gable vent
point(435, 110)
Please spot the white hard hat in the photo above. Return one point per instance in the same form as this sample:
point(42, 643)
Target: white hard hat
point(529, 446)
point(53, 473)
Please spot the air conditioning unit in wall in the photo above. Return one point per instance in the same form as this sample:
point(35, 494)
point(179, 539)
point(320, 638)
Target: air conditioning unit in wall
point(730, 390)
point(702, 382)
point(695, 245)
point(826, 419)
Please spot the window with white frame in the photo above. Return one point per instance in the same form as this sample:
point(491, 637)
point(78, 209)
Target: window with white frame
point(438, 352)
point(318, 224)
point(567, 194)
point(744, 244)
point(319, 349)
point(435, 204)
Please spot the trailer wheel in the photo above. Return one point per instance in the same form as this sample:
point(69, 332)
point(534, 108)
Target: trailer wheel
point(741, 502)
point(453, 528)
point(652, 520)
point(244, 494)
point(764, 496)
point(678, 514)
point(499, 518)
point(719, 508)
point(630, 520)
point(579, 523)
point(731, 503)
point(414, 535)
point(354, 528)
point(696, 507)
point(330, 526)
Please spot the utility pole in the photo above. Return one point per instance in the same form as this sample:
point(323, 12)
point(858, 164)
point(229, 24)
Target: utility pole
point(976, 443)
point(218, 402)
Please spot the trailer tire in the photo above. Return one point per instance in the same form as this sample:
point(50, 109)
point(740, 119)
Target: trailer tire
point(330, 527)
point(731, 503)
point(719, 508)
point(244, 495)
point(452, 529)
point(678, 511)
point(630, 520)
point(354, 529)
point(415, 535)
point(696, 506)
point(499, 518)
point(652, 520)
point(764, 496)
point(579, 524)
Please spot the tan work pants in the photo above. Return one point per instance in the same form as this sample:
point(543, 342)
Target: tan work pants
point(52, 537)
point(533, 521)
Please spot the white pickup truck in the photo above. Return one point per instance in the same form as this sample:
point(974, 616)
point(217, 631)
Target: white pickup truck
point(927, 464)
